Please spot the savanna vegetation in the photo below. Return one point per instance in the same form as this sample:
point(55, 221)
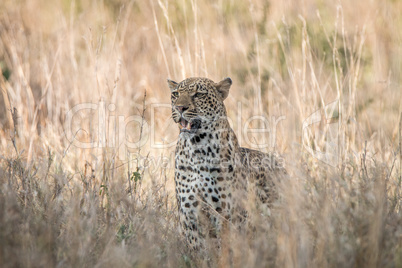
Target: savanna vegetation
point(87, 141)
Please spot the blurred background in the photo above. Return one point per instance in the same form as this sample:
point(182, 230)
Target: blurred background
point(87, 141)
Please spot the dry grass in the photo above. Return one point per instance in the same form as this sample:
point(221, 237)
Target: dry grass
point(61, 205)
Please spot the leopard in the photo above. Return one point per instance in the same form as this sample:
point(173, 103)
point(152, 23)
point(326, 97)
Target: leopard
point(213, 175)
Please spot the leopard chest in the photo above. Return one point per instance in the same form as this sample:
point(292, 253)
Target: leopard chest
point(204, 169)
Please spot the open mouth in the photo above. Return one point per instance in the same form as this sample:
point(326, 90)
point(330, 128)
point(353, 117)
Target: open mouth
point(186, 126)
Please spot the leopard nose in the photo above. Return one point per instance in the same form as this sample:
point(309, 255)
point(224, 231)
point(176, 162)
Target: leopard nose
point(181, 109)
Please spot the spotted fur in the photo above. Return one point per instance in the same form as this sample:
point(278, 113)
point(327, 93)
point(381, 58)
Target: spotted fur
point(213, 174)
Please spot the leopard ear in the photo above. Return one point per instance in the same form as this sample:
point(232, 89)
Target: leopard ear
point(172, 84)
point(223, 87)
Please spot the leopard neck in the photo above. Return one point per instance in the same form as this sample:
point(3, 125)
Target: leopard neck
point(217, 132)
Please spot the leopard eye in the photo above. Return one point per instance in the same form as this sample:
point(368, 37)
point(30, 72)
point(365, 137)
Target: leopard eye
point(199, 95)
point(175, 94)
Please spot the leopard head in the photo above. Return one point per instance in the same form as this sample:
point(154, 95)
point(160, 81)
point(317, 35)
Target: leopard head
point(198, 102)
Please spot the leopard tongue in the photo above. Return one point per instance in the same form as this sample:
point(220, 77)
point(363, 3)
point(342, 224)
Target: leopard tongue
point(185, 124)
